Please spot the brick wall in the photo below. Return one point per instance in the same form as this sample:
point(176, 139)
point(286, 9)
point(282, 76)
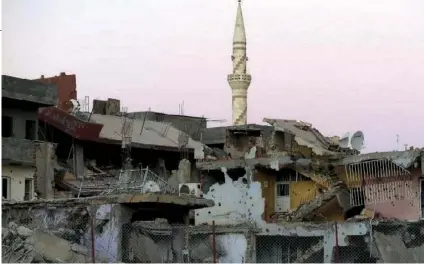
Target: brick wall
point(66, 86)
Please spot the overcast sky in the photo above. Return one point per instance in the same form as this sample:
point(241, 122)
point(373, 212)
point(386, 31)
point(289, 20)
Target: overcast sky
point(341, 65)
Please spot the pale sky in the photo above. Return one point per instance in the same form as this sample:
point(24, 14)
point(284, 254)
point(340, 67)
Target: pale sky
point(341, 65)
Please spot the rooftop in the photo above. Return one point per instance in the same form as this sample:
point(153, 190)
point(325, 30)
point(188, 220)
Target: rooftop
point(149, 133)
point(29, 90)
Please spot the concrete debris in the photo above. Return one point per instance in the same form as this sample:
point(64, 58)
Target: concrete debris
point(182, 175)
point(392, 249)
point(338, 193)
point(23, 245)
point(143, 249)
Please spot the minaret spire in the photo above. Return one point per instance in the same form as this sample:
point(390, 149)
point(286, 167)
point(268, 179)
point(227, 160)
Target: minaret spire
point(239, 80)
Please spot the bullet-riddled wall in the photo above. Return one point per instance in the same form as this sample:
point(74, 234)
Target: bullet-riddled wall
point(301, 191)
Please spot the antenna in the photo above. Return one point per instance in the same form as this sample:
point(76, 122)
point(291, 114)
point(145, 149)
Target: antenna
point(397, 142)
point(183, 137)
point(126, 133)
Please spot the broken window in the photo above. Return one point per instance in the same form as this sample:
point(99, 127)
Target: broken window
point(5, 190)
point(30, 129)
point(283, 189)
point(6, 126)
point(28, 190)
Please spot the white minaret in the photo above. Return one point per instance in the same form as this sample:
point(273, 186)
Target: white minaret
point(239, 80)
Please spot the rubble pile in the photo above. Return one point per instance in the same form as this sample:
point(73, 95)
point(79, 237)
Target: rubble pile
point(23, 245)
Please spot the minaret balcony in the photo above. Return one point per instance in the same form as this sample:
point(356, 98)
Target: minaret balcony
point(239, 77)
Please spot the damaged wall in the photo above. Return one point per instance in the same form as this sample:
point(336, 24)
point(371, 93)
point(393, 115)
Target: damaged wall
point(399, 204)
point(241, 140)
point(267, 183)
point(45, 156)
point(235, 202)
point(16, 176)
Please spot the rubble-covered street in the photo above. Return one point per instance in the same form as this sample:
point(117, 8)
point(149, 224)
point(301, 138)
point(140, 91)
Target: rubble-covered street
point(23, 245)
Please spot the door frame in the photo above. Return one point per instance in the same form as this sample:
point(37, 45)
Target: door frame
point(276, 196)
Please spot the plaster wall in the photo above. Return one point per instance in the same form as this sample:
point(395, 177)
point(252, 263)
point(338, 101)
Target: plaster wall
point(17, 176)
point(267, 183)
point(19, 118)
point(404, 203)
point(232, 248)
point(235, 202)
point(302, 192)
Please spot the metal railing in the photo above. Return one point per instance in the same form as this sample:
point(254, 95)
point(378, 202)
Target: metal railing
point(139, 181)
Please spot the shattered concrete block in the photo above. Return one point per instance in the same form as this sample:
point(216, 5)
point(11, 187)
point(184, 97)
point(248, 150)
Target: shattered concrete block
point(4, 233)
point(24, 232)
point(12, 225)
point(143, 249)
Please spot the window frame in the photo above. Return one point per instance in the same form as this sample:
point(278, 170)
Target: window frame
point(9, 187)
point(33, 135)
point(30, 192)
point(11, 125)
point(282, 183)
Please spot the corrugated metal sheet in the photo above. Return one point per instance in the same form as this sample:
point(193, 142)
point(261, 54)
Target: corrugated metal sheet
point(154, 133)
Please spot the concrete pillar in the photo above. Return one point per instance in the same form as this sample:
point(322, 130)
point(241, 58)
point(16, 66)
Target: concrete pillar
point(44, 155)
point(329, 244)
point(250, 256)
point(78, 160)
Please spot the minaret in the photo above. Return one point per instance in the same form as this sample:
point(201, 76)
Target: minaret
point(239, 80)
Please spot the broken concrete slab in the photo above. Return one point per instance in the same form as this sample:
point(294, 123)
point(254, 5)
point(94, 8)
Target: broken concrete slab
point(24, 245)
point(392, 249)
point(188, 201)
point(404, 159)
point(338, 193)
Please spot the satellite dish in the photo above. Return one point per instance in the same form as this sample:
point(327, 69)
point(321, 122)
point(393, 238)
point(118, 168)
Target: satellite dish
point(75, 106)
point(344, 141)
point(357, 140)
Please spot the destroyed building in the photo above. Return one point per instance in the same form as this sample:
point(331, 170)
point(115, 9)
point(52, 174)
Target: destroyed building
point(306, 176)
point(281, 192)
point(282, 177)
point(111, 228)
point(24, 154)
point(89, 148)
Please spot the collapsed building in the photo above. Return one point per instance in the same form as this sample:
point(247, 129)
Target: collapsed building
point(90, 145)
point(119, 186)
point(283, 176)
